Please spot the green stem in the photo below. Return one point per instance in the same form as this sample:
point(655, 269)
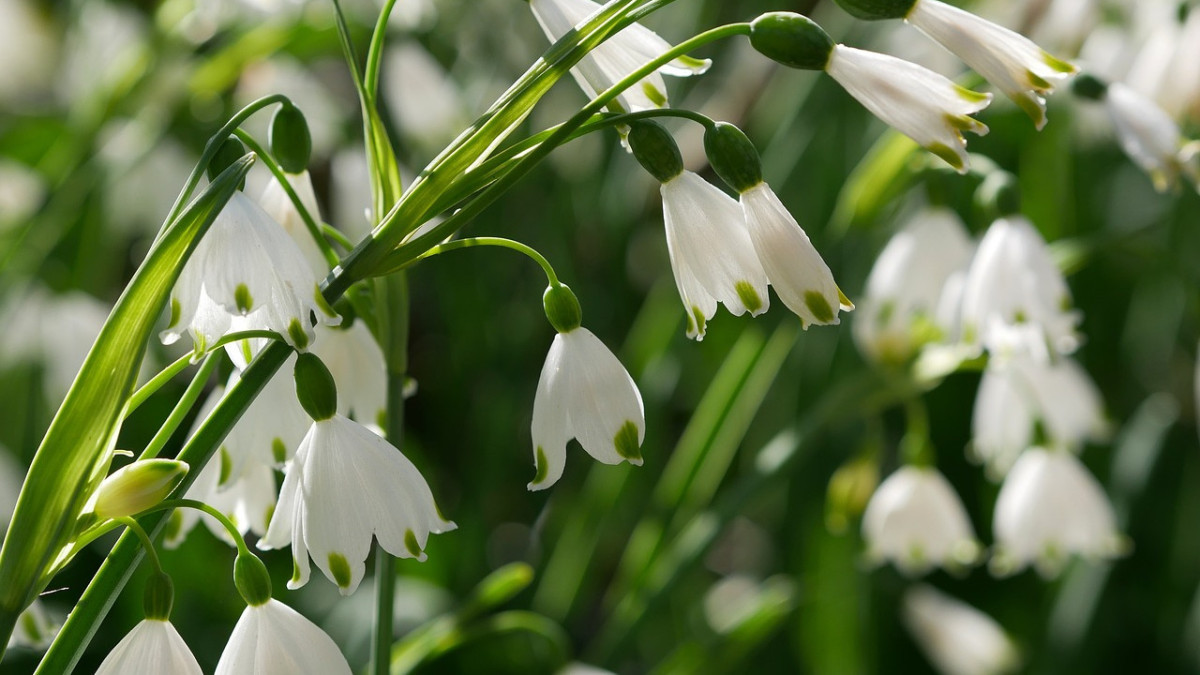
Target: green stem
point(234, 533)
point(916, 446)
point(147, 545)
point(310, 223)
point(375, 50)
point(181, 409)
point(499, 242)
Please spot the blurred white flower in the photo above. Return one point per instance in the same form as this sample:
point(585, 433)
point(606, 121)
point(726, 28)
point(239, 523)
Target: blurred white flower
point(1049, 508)
point(1017, 395)
point(279, 206)
point(794, 268)
point(957, 638)
point(345, 485)
point(153, 646)
point(324, 111)
point(246, 267)
point(616, 57)
point(711, 253)
point(1009, 60)
point(105, 43)
point(1013, 281)
point(917, 102)
point(27, 50)
point(584, 393)
point(22, 190)
point(35, 629)
point(916, 520)
point(1152, 139)
point(274, 639)
point(901, 309)
point(425, 101)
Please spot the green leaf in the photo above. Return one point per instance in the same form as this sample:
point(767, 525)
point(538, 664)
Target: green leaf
point(75, 453)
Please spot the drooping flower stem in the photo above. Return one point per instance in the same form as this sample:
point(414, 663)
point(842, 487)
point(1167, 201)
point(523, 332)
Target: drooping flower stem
point(499, 242)
point(181, 409)
point(147, 545)
point(310, 223)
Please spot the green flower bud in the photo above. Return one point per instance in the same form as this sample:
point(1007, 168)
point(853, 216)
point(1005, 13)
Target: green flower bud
point(315, 387)
point(873, 10)
point(137, 487)
point(791, 39)
point(251, 579)
point(850, 488)
point(1089, 86)
point(998, 195)
point(230, 151)
point(562, 308)
point(733, 156)
point(290, 141)
point(655, 149)
point(159, 596)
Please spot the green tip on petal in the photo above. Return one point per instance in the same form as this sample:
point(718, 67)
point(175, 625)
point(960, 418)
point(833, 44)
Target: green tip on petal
point(297, 334)
point(844, 302)
point(295, 571)
point(819, 306)
point(1058, 64)
point(410, 543)
point(541, 467)
point(656, 97)
point(970, 95)
point(749, 297)
point(243, 299)
point(340, 569)
point(949, 155)
point(278, 450)
point(1033, 107)
point(627, 444)
point(226, 467)
point(176, 312)
point(1037, 82)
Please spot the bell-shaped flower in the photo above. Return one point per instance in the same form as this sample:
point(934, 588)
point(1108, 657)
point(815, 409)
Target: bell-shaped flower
point(274, 639)
point(34, 629)
point(617, 57)
point(1009, 60)
point(1014, 281)
point(901, 310)
point(153, 646)
point(1050, 507)
point(271, 429)
point(1151, 138)
point(1019, 396)
point(345, 485)
point(358, 368)
point(917, 102)
point(957, 638)
point(794, 268)
point(279, 206)
point(916, 520)
point(711, 253)
point(584, 393)
point(246, 266)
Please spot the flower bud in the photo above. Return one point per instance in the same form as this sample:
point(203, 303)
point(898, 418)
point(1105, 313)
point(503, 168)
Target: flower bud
point(655, 150)
point(998, 195)
point(315, 387)
point(1089, 87)
point(251, 579)
point(230, 151)
point(562, 308)
point(290, 141)
point(791, 39)
point(732, 156)
point(137, 487)
point(873, 10)
point(159, 597)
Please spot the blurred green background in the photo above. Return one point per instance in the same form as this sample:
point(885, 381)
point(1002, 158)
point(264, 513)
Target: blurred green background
point(716, 555)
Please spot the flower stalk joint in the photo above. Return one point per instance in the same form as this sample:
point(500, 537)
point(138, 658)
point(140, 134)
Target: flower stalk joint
point(792, 39)
point(290, 141)
point(562, 308)
point(733, 156)
point(315, 387)
point(655, 149)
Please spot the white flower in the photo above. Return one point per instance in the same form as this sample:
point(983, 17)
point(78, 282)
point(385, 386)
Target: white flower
point(919, 103)
point(153, 646)
point(916, 520)
point(270, 430)
point(274, 639)
point(957, 638)
point(1151, 138)
point(1017, 394)
point(248, 501)
point(34, 628)
point(345, 485)
point(616, 57)
point(1009, 60)
point(900, 310)
point(1048, 508)
point(246, 266)
point(359, 371)
point(276, 203)
point(584, 393)
point(711, 253)
point(799, 274)
point(1014, 281)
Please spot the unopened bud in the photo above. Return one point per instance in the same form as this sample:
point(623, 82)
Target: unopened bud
point(251, 579)
point(873, 10)
point(291, 144)
point(655, 149)
point(562, 308)
point(315, 387)
point(230, 151)
point(137, 487)
point(791, 39)
point(733, 156)
point(159, 597)
point(1089, 86)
